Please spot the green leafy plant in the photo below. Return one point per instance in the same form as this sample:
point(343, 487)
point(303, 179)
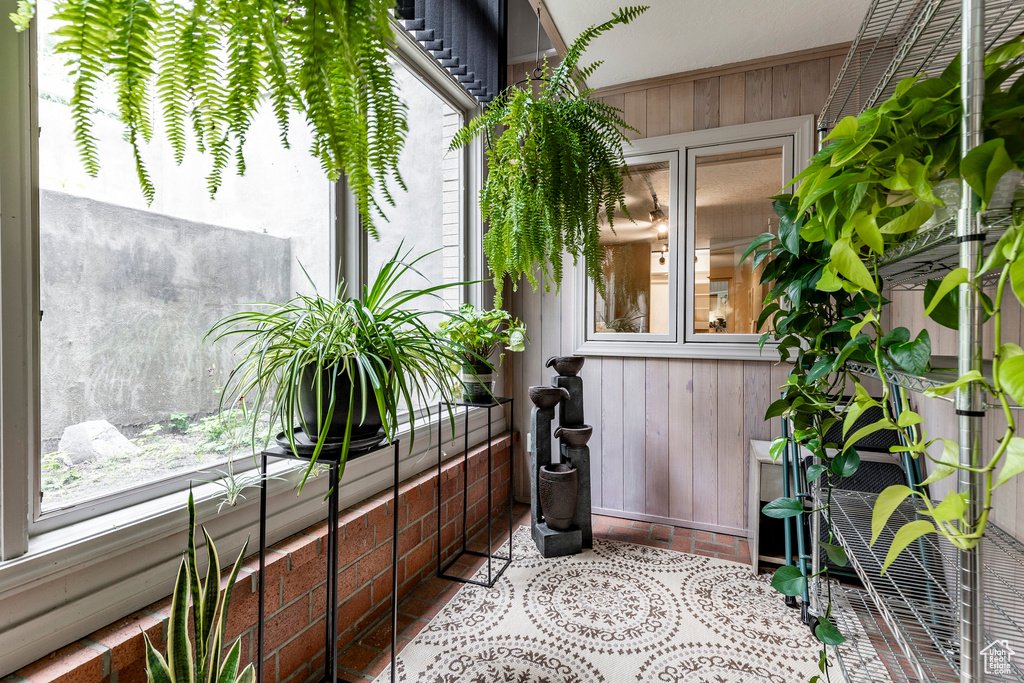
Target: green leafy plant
point(383, 346)
point(480, 332)
point(211, 64)
point(867, 192)
point(234, 485)
point(200, 660)
point(179, 421)
point(554, 168)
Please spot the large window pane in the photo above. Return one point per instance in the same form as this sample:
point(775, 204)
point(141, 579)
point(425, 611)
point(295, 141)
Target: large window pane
point(636, 262)
point(731, 208)
point(129, 389)
point(428, 218)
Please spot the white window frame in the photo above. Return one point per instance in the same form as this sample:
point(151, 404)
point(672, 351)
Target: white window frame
point(681, 342)
point(590, 333)
point(61, 581)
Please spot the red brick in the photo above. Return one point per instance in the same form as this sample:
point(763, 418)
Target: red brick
point(703, 535)
point(356, 657)
point(286, 623)
point(124, 638)
point(422, 504)
point(72, 664)
point(661, 532)
point(706, 547)
point(355, 607)
point(358, 541)
point(409, 539)
point(419, 557)
point(300, 550)
point(301, 649)
point(244, 611)
point(135, 673)
point(373, 564)
point(302, 578)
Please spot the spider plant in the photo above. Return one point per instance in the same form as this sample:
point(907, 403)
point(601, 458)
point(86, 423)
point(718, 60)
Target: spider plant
point(344, 365)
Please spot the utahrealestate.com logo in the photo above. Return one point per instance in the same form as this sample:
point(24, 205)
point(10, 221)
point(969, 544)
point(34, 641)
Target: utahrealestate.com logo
point(998, 656)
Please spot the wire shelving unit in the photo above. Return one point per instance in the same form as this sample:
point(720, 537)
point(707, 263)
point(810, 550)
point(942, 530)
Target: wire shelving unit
point(937, 610)
point(902, 38)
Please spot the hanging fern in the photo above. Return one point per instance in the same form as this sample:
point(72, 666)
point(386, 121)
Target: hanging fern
point(553, 170)
point(211, 64)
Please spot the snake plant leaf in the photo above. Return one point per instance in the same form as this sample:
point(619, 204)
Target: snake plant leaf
point(1013, 460)
point(947, 463)
point(885, 504)
point(156, 665)
point(248, 675)
point(827, 633)
point(789, 580)
point(229, 668)
point(908, 533)
point(179, 649)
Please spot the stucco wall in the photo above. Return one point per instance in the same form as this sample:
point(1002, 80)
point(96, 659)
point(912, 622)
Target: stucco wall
point(127, 297)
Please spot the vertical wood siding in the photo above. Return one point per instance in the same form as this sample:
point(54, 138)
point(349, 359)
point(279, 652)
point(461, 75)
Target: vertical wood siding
point(671, 435)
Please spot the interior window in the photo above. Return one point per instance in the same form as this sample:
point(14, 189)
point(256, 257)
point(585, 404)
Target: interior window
point(129, 390)
point(636, 263)
point(731, 207)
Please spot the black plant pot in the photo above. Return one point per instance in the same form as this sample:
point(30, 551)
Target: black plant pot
point(364, 428)
point(477, 383)
point(558, 488)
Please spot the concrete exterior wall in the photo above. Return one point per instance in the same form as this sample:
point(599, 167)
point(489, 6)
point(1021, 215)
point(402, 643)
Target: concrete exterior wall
point(128, 296)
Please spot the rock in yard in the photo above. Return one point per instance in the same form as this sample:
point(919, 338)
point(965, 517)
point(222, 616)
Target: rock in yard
point(95, 440)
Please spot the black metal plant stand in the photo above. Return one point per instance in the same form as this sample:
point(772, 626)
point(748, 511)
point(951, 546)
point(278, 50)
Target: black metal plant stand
point(492, 577)
point(331, 457)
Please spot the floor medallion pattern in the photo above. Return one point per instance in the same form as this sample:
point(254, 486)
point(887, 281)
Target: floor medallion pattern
point(620, 613)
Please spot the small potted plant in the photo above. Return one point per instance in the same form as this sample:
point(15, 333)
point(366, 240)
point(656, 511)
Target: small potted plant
point(478, 334)
point(341, 367)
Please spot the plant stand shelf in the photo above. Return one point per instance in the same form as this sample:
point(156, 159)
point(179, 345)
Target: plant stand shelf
point(916, 597)
point(874, 658)
point(330, 457)
point(492, 575)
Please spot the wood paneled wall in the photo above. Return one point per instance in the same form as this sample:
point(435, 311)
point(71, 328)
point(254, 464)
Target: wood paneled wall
point(670, 435)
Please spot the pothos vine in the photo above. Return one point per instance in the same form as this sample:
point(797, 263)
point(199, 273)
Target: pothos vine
point(863, 194)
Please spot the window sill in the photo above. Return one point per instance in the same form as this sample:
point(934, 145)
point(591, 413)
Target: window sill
point(701, 350)
point(84, 576)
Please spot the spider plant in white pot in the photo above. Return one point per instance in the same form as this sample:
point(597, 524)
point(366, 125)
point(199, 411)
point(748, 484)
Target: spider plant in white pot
point(344, 366)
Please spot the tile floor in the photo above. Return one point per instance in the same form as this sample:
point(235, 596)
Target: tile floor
point(364, 659)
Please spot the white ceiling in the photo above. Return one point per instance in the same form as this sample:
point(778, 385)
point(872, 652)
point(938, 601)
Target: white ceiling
point(683, 35)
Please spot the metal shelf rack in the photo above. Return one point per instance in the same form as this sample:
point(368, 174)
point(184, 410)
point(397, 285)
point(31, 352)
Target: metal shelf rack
point(917, 596)
point(870, 657)
point(921, 383)
point(901, 38)
point(931, 254)
point(945, 612)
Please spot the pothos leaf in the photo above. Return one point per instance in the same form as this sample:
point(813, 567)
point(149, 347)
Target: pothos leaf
point(849, 265)
point(913, 356)
point(788, 580)
point(780, 508)
point(827, 633)
point(908, 533)
point(836, 553)
point(885, 504)
point(953, 279)
point(947, 462)
point(1013, 460)
point(1011, 376)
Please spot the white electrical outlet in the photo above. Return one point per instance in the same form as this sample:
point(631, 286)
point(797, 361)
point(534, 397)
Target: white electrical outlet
point(529, 437)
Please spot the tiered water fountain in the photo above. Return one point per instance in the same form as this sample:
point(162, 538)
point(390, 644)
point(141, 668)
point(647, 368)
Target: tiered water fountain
point(560, 492)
